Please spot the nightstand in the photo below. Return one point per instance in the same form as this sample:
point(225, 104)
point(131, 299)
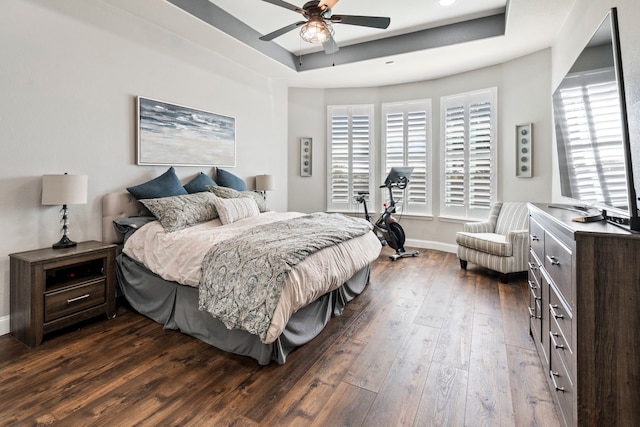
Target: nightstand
point(55, 288)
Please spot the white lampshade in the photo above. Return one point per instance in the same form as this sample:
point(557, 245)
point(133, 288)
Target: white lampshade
point(64, 189)
point(264, 183)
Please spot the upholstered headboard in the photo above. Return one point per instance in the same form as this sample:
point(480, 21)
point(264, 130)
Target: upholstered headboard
point(118, 205)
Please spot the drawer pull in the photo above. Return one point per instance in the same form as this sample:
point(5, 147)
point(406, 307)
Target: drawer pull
point(531, 312)
point(555, 384)
point(553, 340)
point(532, 284)
point(535, 238)
point(553, 260)
point(81, 297)
point(552, 309)
point(532, 266)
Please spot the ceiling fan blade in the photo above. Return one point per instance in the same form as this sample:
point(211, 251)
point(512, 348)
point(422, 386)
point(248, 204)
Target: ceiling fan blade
point(285, 5)
point(328, 3)
point(363, 21)
point(330, 46)
point(281, 31)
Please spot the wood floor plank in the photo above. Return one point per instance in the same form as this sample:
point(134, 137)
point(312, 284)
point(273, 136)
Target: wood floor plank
point(384, 335)
point(513, 305)
point(454, 342)
point(399, 397)
point(443, 397)
point(307, 398)
point(489, 393)
point(348, 406)
point(532, 404)
point(435, 307)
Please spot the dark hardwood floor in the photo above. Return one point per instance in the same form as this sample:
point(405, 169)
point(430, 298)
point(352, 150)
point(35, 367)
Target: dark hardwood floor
point(426, 344)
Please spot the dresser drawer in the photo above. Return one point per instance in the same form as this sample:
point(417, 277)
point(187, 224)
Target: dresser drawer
point(560, 319)
point(563, 387)
point(536, 238)
point(71, 300)
point(534, 268)
point(535, 292)
point(558, 263)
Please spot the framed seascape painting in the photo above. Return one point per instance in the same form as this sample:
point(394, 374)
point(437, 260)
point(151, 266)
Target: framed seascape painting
point(170, 134)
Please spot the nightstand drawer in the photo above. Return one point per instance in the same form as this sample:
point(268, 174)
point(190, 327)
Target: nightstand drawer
point(71, 300)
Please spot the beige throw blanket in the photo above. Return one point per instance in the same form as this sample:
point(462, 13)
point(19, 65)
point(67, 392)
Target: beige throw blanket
point(242, 278)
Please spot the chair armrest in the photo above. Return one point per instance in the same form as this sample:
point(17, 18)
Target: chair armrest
point(518, 236)
point(478, 227)
point(520, 242)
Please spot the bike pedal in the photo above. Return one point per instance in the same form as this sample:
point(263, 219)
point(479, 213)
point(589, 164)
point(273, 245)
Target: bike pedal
point(383, 242)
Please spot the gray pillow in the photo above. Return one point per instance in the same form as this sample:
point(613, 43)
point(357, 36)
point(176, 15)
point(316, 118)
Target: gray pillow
point(230, 193)
point(179, 212)
point(166, 185)
point(227, 179)
point(199, 183)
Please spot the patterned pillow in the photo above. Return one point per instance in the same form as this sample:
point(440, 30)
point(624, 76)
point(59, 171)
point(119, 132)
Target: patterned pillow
point(232, 210)
point(166, 185)
point(179, 212)
point(230, 193)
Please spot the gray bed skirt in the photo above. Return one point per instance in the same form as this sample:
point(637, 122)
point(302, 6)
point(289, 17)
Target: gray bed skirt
point(176, 307)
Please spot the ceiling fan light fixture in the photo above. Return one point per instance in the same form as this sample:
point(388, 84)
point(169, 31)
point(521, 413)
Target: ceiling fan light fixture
point(316, 31)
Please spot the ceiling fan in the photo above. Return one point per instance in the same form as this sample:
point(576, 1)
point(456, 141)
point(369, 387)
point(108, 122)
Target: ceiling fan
point(319, 17)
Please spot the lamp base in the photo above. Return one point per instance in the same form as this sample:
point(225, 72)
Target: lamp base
point(65, 242)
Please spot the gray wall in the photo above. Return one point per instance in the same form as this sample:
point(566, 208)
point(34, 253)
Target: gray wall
point(69, 75)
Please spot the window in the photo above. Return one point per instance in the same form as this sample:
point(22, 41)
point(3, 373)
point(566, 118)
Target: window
point(350, 155)
point(407, 142)
point(469, 153)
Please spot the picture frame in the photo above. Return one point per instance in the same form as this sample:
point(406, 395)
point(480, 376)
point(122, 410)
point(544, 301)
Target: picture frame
point(175, 135)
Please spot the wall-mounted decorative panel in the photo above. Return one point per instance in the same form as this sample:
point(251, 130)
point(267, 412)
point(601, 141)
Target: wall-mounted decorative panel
point(524, 150)
point(306, 156)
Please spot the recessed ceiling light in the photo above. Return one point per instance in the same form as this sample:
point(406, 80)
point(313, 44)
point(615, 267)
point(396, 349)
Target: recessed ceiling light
point(447, 2)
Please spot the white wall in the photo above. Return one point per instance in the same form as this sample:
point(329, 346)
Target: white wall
point(69, 75)
point(523, 96)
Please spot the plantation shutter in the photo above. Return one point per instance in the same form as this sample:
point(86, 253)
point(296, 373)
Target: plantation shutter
point(468, 154)
point(407, 142)
point(350, 142)
point(590, 105)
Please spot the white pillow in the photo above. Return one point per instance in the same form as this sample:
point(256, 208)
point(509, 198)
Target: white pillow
point(232, 210)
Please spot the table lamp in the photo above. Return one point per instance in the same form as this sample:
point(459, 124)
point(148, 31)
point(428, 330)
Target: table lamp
point(264, 183)
point(64, 190)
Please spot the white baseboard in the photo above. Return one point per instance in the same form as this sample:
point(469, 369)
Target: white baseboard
point(4, 325)
point(427, 244)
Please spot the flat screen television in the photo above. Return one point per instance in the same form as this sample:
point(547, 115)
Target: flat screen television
point(592, 133)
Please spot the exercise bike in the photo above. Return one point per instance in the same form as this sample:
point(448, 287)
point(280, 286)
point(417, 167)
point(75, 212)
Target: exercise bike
point(388, 230)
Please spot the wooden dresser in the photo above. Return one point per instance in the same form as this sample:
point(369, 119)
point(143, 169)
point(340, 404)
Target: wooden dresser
point(584, 305)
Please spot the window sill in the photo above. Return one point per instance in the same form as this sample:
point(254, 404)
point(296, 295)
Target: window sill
point(459, 220)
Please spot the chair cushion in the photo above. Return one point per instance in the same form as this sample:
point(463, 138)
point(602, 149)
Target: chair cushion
point(491, 243)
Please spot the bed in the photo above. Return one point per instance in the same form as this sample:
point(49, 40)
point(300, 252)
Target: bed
point(170, 283)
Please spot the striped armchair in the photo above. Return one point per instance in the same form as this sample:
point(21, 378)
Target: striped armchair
point(501, 243)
